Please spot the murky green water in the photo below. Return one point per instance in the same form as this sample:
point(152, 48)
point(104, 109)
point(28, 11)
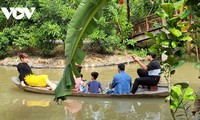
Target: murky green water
point(15, 104)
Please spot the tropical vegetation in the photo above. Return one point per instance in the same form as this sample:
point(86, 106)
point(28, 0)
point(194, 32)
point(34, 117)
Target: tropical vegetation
point(49, 23)
point(108, 26)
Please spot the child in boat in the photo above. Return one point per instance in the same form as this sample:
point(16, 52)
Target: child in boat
point(77, 80)
point(27, 77)
point(83, 84)
point(94, 85)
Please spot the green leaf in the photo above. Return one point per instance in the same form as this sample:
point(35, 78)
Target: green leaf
point(79, 56)
point(186, 38)
point(197, 65)
point(177, 89)
point(172, 72)
point(150, 35)
point(175, 32)
point(65, 85)
point(165, 43)
point(163, 35)
point(82, 23)
point(163, 15)
point(188, 91)
point(173, 44)
point(183, 85)
point(184, 14)
point(168, 8)
point(157, 25)
point(174, 20)
point(158, 40)
point(188, 94)
point(75, 70)
point(191, 98)
point(178, 4)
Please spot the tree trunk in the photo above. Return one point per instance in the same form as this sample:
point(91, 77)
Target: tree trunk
point(128, 10)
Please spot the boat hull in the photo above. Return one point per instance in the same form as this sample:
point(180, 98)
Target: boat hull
point(141, 93)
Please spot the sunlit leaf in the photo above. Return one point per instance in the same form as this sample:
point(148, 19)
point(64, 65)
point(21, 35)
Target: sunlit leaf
point(191, 98)
point(172, 107)
point(186, 38)
point(168, 8)
point(177, 89)
point(189, 94)
point(162, 14)
point(173, 44)
point(175, 32)
point(175, 96)
point(178, 4)
point(165, 43)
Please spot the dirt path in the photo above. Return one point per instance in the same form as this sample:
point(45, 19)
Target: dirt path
point(91, 60)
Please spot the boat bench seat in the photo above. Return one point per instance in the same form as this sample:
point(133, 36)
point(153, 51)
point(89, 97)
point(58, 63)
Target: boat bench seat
point(154, 88)
point(151, 88)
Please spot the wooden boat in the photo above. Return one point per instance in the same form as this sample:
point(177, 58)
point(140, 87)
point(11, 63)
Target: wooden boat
point(141, 92)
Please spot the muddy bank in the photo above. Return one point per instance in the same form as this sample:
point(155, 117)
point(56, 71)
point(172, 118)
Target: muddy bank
point(91, 60)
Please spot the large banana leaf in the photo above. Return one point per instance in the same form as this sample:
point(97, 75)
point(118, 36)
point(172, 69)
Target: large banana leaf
point(81, 24)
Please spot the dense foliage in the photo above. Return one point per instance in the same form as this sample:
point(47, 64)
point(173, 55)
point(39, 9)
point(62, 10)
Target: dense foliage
point(50, 20)
point(47, 24)
point(172, 42)
point(114, 30)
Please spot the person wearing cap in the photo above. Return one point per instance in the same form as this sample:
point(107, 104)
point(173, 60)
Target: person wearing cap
point(122, 82)
point(149, 75)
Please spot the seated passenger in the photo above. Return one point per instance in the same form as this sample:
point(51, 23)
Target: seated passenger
point(94, 85)
point(121, 82)
point(27, 77)
point(77, 81)
point(148, 75)
point(82, 88)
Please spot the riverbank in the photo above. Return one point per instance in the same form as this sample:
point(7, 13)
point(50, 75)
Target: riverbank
point(91, 60)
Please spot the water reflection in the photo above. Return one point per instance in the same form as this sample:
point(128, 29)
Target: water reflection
point(17, 104)
point(101, 109)
point(36, 103)
point(72, 108)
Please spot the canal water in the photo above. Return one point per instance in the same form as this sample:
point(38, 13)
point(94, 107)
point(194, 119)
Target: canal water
point(16, 104)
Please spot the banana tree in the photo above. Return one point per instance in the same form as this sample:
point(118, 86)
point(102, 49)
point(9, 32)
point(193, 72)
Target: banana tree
point(82, 23)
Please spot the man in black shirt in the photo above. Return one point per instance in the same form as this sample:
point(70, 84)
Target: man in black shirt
point(148, 75)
